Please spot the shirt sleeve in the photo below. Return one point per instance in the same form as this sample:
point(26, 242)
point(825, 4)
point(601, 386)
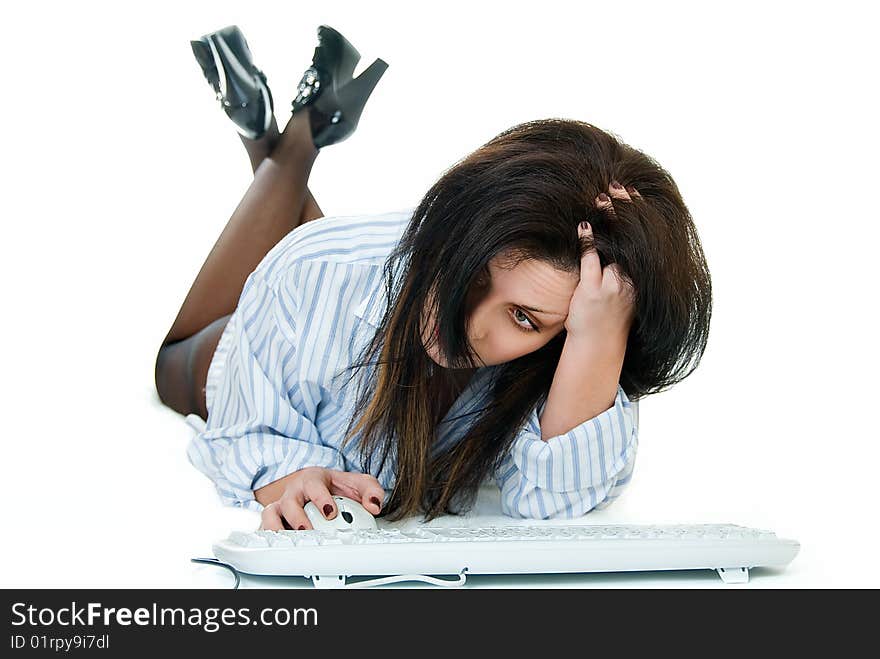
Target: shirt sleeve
point(573, 473)
point(254, 435)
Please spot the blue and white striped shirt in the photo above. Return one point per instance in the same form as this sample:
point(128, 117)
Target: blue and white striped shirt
point(304, 315)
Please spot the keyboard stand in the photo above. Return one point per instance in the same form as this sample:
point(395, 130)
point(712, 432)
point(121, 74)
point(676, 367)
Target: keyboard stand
point(733, 574)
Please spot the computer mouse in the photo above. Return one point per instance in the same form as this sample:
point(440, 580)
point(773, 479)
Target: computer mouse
point(350, 515)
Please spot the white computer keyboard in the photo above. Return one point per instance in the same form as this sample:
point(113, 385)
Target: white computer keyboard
point(329, 557)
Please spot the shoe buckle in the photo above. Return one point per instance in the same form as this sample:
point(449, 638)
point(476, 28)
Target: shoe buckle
point(308, 87)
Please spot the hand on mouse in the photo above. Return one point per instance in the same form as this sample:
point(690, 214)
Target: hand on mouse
point(318, 485)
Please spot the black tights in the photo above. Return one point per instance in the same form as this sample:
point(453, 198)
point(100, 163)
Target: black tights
point(276, 202)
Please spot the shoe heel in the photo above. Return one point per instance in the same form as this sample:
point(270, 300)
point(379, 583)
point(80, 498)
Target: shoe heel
point(351, 99)
point(354, 95)
point(366, 82)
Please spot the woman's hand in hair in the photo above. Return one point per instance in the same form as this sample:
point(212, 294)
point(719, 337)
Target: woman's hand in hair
point(602, 305)
point(318, 485)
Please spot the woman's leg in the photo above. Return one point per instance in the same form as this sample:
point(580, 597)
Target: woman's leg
point(182, 369)
point(273, 205)
point(259, 150)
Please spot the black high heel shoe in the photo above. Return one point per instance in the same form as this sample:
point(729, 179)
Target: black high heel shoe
point(240, 86)
point(327, 88)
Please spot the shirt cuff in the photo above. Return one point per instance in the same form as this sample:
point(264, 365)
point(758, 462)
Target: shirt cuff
point(305, 455)
point(251, 462)
point(588, 455)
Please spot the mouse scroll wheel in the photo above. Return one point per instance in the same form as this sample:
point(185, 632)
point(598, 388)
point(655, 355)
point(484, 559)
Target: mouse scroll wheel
point(347, 517)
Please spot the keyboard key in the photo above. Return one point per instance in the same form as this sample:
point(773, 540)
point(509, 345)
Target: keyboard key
point(309, 538)
point(248, 539)
point(279, 540)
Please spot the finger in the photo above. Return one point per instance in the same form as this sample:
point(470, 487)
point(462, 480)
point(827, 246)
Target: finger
point(616, 285)
point(343, 489)
point(373, 502)
point(373, 496)
point(603, 203)
point(612, 282)
point(618, 191)
point(632, 191)
point(591, 268)
point(316, 491)
point(293, 512)
point(368, 490)
point(270, 518)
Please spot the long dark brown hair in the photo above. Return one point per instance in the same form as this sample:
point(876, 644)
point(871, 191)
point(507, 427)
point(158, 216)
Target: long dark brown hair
point(523, 192)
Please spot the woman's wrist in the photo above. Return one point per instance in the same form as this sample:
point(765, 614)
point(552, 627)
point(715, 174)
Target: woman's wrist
point(273, 491)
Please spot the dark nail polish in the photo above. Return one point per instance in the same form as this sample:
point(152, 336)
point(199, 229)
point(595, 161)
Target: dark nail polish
point(604, 197)
point(328, 510)
point(375, 501)
point(616, 185)
point(301, 527)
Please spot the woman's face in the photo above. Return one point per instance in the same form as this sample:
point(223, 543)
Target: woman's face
point(525, 307)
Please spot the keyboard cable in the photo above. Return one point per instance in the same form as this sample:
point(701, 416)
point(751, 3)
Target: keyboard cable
point(446, 583)
point(214, 561)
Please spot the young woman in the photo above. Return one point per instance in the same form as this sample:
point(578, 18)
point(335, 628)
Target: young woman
point(503, 328)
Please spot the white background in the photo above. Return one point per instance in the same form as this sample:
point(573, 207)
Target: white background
point(119, 171)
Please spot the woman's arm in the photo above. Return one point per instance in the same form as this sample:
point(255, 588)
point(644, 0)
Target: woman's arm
point(584, 444)
point(585, 382)
point(599, 318)
point(568, 475)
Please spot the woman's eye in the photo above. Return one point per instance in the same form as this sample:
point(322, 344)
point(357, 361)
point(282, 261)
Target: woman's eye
point(529, 328)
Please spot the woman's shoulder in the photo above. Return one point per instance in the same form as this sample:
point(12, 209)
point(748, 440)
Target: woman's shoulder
point(365, 239)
